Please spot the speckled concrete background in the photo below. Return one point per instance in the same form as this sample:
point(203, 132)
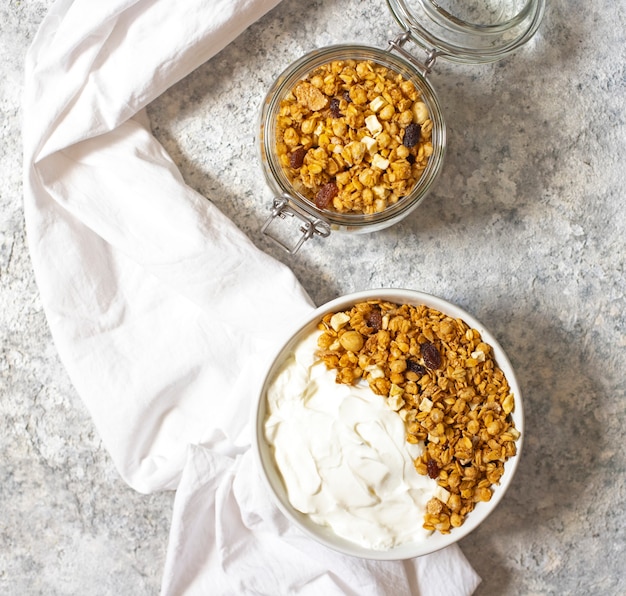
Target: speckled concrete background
point(525, 230)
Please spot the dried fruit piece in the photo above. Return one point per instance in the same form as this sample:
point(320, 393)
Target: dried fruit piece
point(375, 319)
point(432, 469)
point(431, 355)
point(415, 367)
point(297, 158)
point(326, 194)
point(412, 135)
point(334, 108)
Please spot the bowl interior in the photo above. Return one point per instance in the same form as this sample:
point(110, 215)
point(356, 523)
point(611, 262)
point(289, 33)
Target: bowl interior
point(326, 536)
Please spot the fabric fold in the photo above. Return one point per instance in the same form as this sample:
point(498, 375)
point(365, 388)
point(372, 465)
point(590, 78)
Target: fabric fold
point(163, 312)
point(125, 253)
point(237, 542)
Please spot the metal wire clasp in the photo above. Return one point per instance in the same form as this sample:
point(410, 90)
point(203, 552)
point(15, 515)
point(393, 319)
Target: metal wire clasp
point(424, 67)
point(282, 208)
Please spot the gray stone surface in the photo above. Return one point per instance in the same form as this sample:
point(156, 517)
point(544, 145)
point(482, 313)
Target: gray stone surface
point(525, 230)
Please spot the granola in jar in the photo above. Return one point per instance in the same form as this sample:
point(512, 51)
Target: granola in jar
point(354, 136)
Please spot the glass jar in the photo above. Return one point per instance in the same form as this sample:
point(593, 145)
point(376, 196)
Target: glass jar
point(467, 31)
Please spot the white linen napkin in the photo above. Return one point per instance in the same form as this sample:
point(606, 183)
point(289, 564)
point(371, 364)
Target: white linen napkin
point(153, 299)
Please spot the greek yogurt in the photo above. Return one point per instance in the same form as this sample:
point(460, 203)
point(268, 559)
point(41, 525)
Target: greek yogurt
point(343, 455)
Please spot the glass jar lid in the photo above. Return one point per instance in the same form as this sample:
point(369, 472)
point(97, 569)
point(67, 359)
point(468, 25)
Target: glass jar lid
point(469, 31)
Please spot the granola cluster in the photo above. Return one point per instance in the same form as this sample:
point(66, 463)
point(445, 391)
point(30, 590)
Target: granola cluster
point(441, 378)
point(354, 136)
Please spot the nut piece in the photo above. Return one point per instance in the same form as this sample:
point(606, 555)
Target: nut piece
point(352, 341)
point(310, 97)
point(338, 320)
point(443, 381)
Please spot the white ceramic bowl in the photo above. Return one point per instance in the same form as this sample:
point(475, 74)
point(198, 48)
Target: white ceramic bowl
point(326, 536)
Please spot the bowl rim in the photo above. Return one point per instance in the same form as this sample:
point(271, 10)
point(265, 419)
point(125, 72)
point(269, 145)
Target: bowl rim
point(271, 477)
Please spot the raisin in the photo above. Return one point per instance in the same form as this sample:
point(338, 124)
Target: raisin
point(410, 158)
point(432, 468)
point(412, 135)
point(431, 355)
point(346, 96)
point(415, 367)
point(297, 157)
point(334, 108)
point(375, 319)
point(326, 194)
